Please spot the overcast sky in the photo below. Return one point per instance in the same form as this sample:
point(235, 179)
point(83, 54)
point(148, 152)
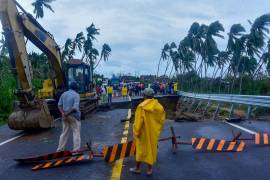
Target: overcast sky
point(136, 30)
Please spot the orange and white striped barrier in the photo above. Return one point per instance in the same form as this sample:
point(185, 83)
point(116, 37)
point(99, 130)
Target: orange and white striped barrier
point(216, 145)
point(128, 149)
point(261, 139)
point(119, 151)
point(61, 162)
point(258, 138)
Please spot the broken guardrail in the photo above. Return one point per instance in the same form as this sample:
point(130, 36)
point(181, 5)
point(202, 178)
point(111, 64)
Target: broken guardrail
point(250, 100)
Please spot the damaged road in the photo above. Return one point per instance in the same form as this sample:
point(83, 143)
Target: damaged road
point(105, 128)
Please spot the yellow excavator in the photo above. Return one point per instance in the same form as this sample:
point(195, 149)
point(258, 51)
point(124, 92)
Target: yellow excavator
point(33, 111)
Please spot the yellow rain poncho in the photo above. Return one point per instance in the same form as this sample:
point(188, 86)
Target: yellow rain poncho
point(149, 121)
point(124, 91)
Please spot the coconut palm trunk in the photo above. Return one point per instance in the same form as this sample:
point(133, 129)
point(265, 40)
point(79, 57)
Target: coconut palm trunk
point(167, 65)
point(158, 66)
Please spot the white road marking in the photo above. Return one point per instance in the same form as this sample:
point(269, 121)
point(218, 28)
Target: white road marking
point(16, 137)
point(242, 128)
point(9, 140)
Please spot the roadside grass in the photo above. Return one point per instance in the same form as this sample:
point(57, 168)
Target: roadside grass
point(3, 119)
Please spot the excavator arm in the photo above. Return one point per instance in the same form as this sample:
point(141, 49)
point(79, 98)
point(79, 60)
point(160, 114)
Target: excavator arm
point(45, 42)
point(31, 113)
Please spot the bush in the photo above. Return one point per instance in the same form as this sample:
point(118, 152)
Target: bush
point(7, 87)
point(37, 84)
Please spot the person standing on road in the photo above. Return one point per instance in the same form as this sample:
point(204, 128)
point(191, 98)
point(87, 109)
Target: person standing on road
point(110, 92)
point(124, 92)
point(149, 121)
point(69, 106)
point(175, 88)
point(103, 94)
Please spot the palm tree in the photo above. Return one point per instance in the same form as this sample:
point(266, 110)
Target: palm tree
point(201, 45)
point(39, 7)
point(258, 32)
point(105, 53)
point(257, 36)
point(246, 55)
point(91, 58)
point(90, 52)
point(267, 62)
point(251, 45)
point(200, 51)
point(92, 31)
point(175, 59)
point(171, 49)
point(247, 66)
point(235, 47)
point(207, 46)
point(78, 42)
point(186, 57)
point(211, 48)
point(164, 55)
point(194, 40)
point(222, 60)
point(68, 52)
point(264, 59)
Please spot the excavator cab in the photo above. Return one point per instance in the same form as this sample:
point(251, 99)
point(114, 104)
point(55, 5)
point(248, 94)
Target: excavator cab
point(78, 71)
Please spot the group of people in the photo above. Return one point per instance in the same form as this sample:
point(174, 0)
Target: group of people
point(165, 88)
point(148, 124)
point(105, 93)
point(136, 89)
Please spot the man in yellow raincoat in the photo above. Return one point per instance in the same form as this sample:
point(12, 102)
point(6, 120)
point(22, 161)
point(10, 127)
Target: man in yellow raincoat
point(149, 121)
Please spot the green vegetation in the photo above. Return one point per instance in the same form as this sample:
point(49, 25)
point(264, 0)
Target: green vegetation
point(40, 69)
point(39, 64)
point(7, 87)
point(242, 67)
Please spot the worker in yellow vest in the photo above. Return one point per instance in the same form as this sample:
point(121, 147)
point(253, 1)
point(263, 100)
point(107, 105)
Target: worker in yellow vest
point(124, 91)
point(148, 124)
point(109, 92)
point(175, 88)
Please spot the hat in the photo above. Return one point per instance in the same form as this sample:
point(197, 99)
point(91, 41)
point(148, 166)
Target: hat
point(148, 92)
point(73, 85)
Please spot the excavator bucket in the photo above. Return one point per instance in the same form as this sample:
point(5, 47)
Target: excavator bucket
point(37, 117)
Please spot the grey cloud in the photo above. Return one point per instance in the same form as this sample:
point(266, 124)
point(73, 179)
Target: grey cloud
point(136, 30)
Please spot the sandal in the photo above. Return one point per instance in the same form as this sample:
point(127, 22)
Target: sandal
point(149, 172)
point(135, 170)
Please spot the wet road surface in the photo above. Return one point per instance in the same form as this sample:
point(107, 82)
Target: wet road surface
point(102, 128)
point(105, 128)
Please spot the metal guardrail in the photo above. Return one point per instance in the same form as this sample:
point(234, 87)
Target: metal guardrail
point(263, 101)
point(250, 100)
